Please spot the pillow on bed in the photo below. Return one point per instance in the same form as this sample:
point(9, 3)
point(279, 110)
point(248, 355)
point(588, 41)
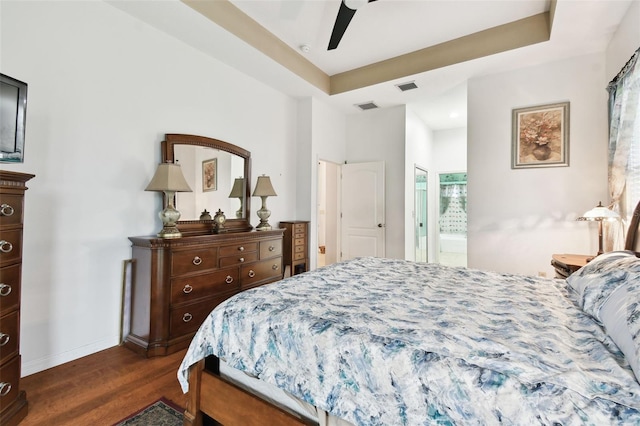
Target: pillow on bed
point(599, 269)
point(620, 315)
point(608, 289)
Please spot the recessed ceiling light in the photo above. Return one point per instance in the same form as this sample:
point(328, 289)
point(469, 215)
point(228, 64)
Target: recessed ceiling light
point(305, 48)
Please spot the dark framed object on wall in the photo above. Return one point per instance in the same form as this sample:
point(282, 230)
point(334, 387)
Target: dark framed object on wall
point(13, 109)
point(540, 136)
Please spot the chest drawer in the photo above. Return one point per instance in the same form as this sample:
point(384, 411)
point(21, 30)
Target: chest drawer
point(253, 274)
point(9, 381)
point(238, 259)
point(270, 248)
point(195, 260)
point(8, 336)
point(9, 288)
point(187, 319)
point(195, 287)
point(10, 246)
point(235, 249)
point(10, 209)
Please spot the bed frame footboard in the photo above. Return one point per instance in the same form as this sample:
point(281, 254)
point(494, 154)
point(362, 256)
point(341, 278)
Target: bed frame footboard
point(211, 397)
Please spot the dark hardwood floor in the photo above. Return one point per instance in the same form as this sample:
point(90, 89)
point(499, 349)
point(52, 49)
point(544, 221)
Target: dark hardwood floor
point(101, 389)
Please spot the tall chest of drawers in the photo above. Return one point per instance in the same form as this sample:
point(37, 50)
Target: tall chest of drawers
point(13, 400)
point(177, 282)
point(296, 245)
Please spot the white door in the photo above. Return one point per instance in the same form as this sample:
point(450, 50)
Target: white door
point(362, 203)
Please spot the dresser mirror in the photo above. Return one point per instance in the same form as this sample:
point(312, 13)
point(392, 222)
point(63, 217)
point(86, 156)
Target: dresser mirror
point(219, 175)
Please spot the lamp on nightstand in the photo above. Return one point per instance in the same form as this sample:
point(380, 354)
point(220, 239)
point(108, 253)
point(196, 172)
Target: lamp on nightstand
point(169, 179)
point(599, 213)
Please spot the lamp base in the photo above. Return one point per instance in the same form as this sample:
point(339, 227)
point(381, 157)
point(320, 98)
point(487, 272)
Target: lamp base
point(263, 226)
point(169, 232)
point(169, 217)
point(263, 214)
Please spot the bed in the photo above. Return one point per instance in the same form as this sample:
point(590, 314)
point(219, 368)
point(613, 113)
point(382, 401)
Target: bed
point(376, 341)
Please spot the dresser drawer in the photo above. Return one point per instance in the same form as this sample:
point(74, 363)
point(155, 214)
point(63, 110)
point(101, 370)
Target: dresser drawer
point(270, 248)
point(9, 382)
point(8, 336)
point(298, 256)
point(299, 242)
point(198, 286)
point(10, 209)
point(238, 259)
point(299, 227)
point(236, 249)
point(187, 319)
point(9, 288)
point(195, 260)
point(299, 249)
point(259, 271)
point(10, 246)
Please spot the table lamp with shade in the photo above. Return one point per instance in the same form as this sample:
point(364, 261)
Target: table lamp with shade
point(263, 190)
point(599, 214)
point(238, 192)
point(169, 179)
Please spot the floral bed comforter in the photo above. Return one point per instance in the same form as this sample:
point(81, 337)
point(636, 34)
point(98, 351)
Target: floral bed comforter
point(389, 342)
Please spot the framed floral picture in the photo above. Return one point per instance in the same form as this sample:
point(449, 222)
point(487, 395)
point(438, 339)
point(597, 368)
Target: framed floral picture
point(210, 175)
point(540, 136)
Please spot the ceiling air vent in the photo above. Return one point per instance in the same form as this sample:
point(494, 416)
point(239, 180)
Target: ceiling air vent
point(367, 105)
point(410, 85)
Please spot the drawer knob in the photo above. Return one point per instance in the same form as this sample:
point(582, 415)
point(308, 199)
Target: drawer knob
point(4, 339)
point(252, 273)
point(5, 289)
point(229, 279)
point(275, 267)
point(5, 388)
point(241, 260)
point(6, 210)
point(197, 260)
point(240, 248)
point(271, 248)
point(5, 246)
point(187, 317)
point(187, 289)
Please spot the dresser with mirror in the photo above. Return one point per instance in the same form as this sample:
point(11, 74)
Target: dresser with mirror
point(176, 282)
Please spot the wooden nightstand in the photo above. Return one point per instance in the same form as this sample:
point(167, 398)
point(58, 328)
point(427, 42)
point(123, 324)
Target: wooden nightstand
point(567, 264)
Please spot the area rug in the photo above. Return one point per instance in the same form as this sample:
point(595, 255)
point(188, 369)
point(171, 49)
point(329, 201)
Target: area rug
point(163, 412)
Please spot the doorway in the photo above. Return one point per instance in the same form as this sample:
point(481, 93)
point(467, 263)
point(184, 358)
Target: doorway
point(328, 213)
point(420, 217)
point(452, 219)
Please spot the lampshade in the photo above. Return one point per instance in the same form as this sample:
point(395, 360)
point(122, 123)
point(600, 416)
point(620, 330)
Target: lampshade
point(599, 213)
point(264, 187)
point(168, 177)
point(238, 188)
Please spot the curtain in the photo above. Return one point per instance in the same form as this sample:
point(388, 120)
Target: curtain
point(624, 126)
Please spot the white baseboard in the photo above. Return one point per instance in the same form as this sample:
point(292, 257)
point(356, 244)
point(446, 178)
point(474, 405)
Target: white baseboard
point(38, 365)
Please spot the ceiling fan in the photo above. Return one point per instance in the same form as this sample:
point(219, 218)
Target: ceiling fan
point(345, 13)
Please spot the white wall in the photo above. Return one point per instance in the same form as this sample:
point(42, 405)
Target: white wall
point(519, 218)
point(103, 90)
point(625, 41)
point(327, 136)
point(418, 152)
point(377, 135)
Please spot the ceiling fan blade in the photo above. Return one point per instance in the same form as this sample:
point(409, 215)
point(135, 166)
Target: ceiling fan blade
point(342, 22)
point(345, 14)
